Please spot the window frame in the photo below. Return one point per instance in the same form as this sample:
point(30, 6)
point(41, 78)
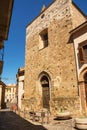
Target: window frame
point(43, 43)
point(82, 56)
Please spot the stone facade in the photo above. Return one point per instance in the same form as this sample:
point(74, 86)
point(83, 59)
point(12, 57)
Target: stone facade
point(11, 93)
point(20, 86)
point(51, 71)
point(80, 41)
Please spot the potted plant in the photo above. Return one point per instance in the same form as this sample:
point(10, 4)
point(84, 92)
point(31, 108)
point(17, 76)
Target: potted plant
point(63, 113)
point(81, 123)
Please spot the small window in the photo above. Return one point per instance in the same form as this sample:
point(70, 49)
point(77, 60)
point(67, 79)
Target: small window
point(83, 52)
point(43, 39)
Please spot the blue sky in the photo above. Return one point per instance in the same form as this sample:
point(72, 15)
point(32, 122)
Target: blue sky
point(24, 11)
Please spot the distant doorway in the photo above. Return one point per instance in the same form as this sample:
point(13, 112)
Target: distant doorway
point(45, 91)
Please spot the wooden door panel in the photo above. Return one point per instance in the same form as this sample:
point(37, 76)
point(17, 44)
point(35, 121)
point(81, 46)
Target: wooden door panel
point(46, 97)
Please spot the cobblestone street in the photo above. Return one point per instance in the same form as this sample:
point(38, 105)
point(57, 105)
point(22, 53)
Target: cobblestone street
point(10, 121)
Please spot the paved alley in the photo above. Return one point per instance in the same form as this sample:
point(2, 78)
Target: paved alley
point(11, 121)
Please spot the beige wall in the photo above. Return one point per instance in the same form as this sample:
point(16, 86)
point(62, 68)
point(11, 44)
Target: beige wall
point(20, 90)
point(57, 60)
point(11, 93)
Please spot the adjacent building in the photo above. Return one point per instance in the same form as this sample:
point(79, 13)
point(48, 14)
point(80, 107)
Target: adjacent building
point(10, 94)
point(20, 86)
point(79, 36)
point(6, 7)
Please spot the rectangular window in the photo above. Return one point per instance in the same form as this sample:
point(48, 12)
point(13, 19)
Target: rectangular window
point(83, 52)
point(43, 39)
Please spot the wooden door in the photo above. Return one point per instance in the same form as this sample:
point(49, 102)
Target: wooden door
point(45, 92)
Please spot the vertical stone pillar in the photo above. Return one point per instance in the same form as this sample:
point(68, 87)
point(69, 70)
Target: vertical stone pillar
point(20, 92)
point(83, 96)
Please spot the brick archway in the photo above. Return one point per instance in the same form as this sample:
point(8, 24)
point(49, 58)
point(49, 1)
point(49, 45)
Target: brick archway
point(83, 89)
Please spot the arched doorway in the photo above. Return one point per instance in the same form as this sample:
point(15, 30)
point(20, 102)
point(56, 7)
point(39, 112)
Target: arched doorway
point(44, 81)
point(85, 81)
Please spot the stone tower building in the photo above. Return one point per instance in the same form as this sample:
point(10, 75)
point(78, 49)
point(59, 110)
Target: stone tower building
point(50, 67)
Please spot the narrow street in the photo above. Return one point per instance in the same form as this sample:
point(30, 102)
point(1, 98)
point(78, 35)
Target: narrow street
point(11, 121)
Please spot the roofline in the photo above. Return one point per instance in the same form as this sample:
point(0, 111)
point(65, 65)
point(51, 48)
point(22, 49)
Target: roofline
point(79, 9)
point(78, 28)
point(49, 6)
point(2, 83)
point(40, 13)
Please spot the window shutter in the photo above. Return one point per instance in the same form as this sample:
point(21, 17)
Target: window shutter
point(81, 55)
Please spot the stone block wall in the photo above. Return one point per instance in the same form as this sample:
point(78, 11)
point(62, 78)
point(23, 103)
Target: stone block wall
point(57, 60)
point(72, 104)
